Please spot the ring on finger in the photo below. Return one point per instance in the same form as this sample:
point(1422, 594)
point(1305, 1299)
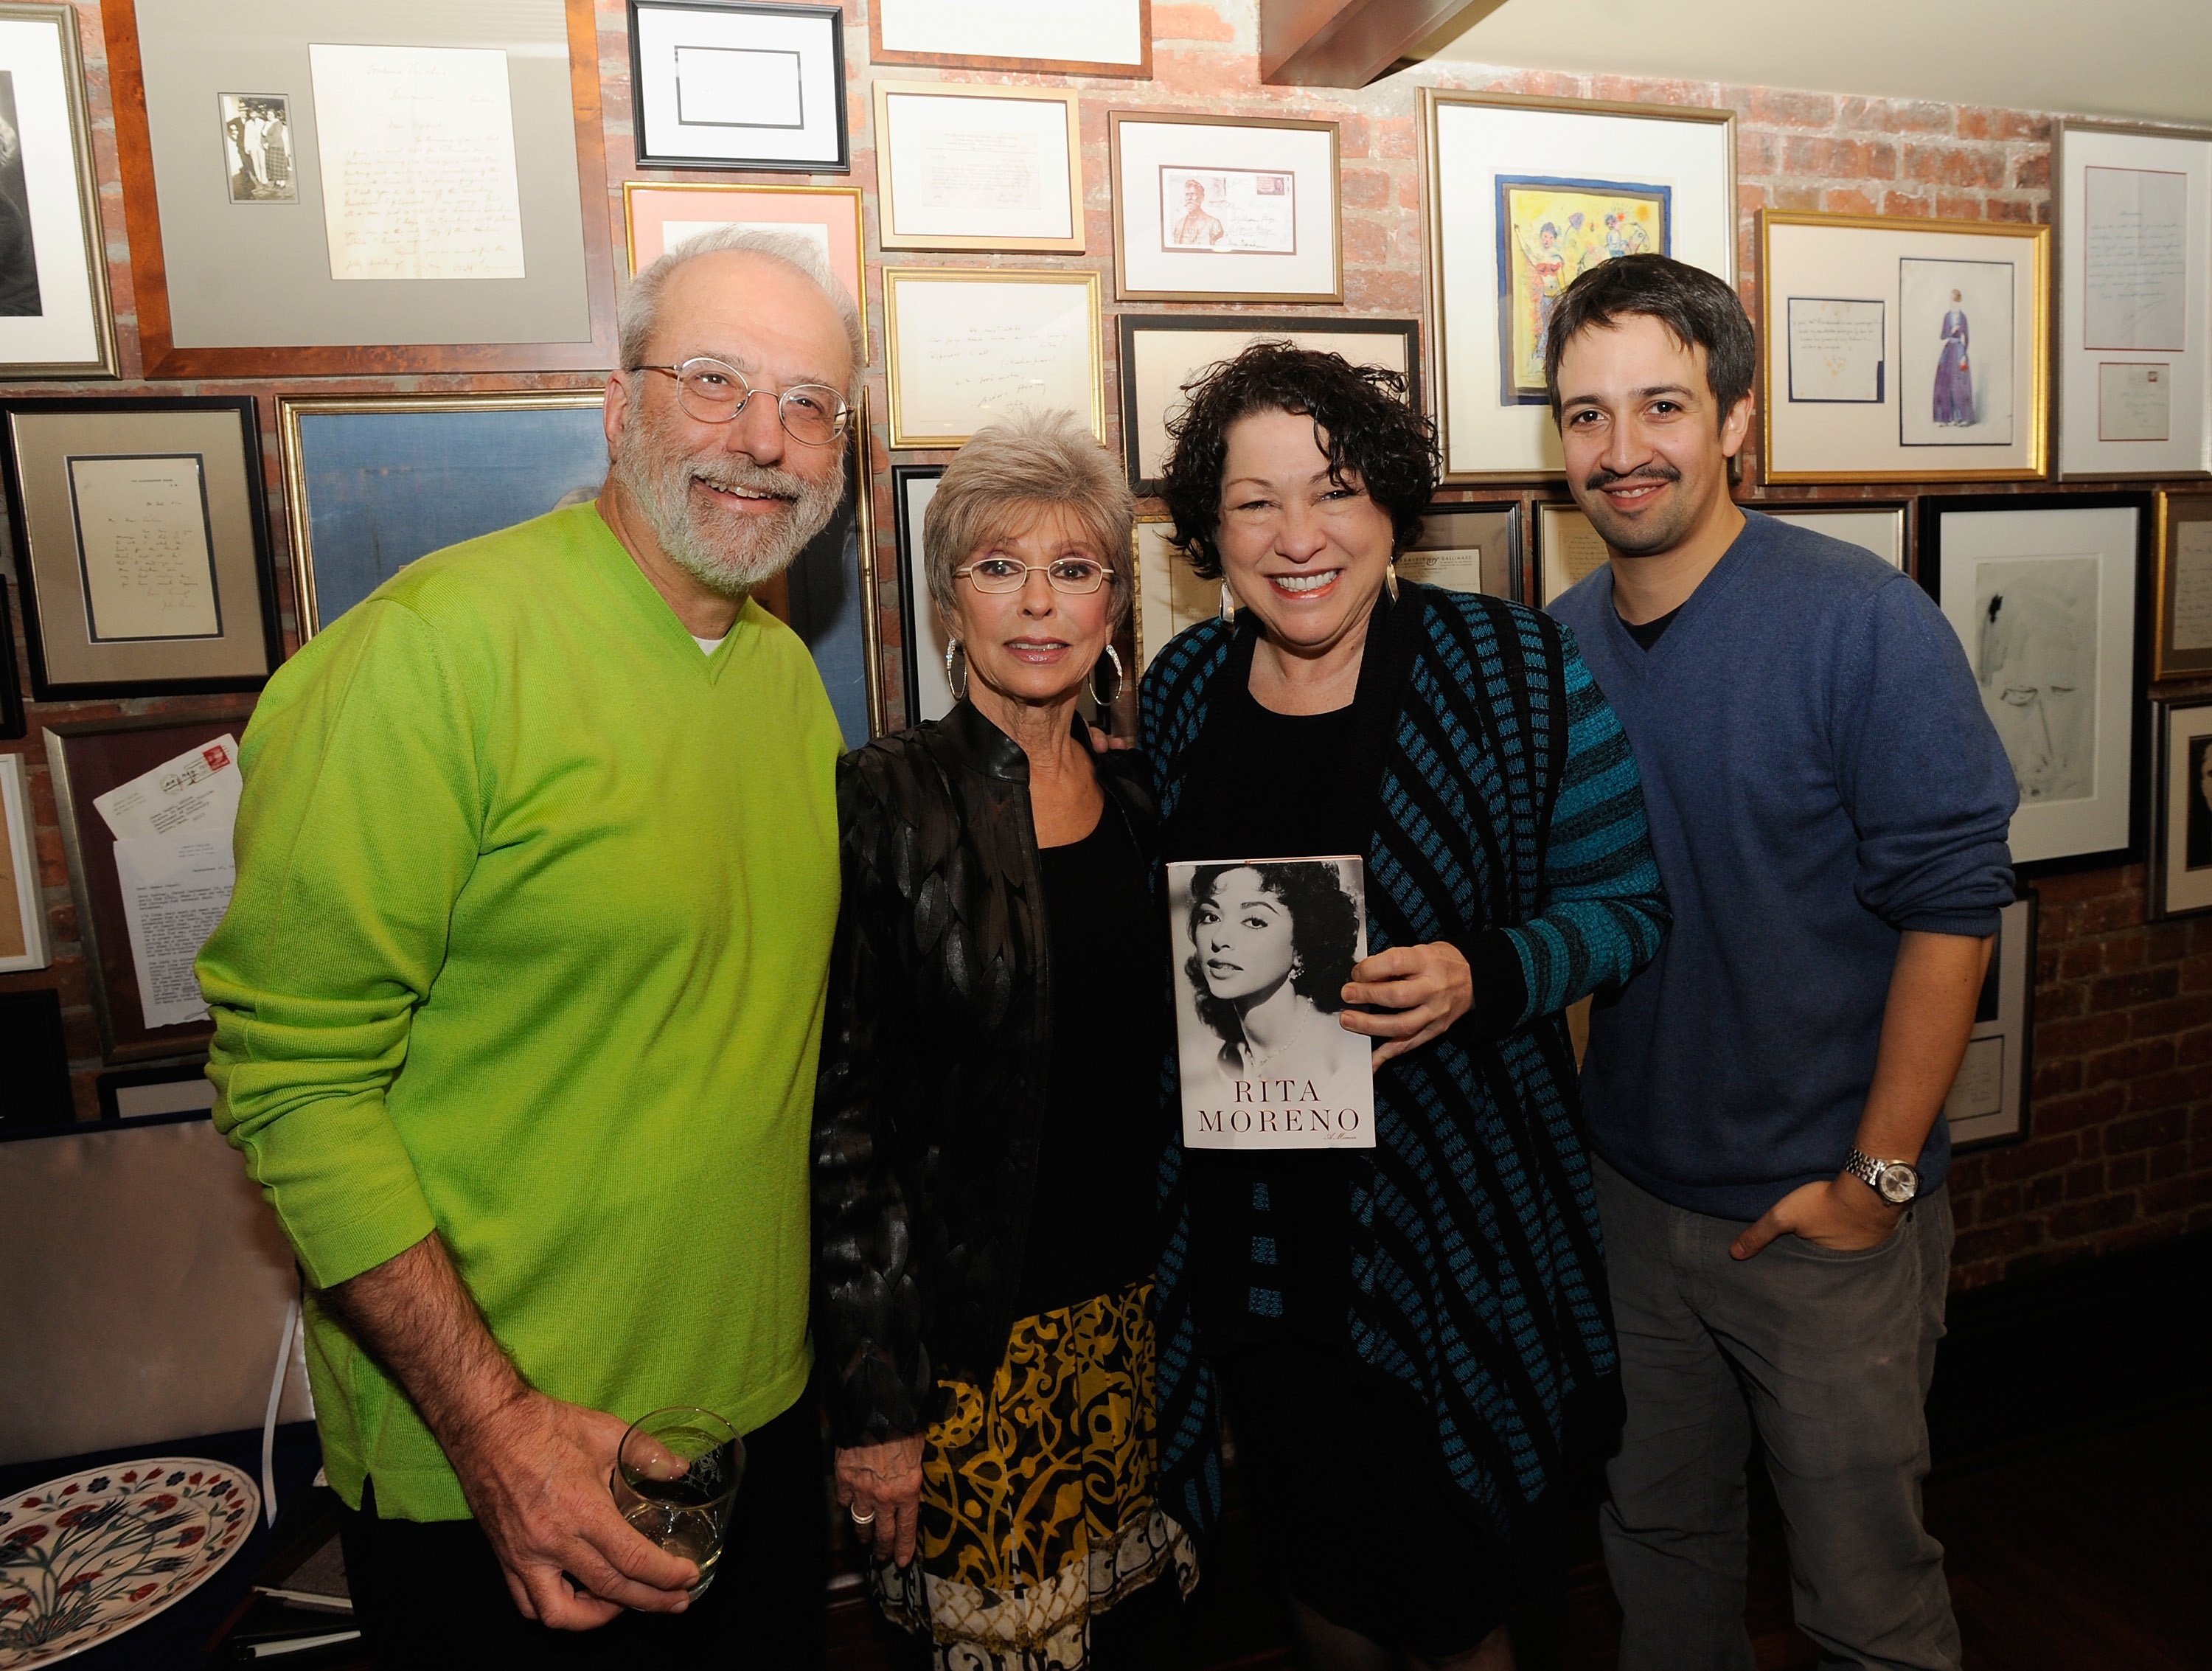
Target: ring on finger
point(859, 1519)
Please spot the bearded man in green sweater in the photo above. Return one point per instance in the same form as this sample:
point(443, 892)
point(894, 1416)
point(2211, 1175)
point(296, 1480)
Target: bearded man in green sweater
point(518, 1002)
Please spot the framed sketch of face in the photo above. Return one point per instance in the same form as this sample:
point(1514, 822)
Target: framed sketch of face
point(2181, 811)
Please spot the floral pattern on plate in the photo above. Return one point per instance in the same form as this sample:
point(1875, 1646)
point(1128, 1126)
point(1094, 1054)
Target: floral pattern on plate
point(93, 1553)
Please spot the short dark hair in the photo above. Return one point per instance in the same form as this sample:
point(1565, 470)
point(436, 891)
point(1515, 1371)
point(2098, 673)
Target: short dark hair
point(1697, 309)
point(1324, 936)
point(1362, 420)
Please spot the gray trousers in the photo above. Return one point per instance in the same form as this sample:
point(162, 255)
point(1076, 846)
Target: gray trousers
point(1825, 1357)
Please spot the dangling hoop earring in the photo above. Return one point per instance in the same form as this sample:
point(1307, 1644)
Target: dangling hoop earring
point(1228, 603)
point(1115, 696)
point(1390, 579)
point(956, 647)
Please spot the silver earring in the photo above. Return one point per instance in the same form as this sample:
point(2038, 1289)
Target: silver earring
point(956, 648)
point(1228, 602)
point(1115, 696)
point(1390, 579)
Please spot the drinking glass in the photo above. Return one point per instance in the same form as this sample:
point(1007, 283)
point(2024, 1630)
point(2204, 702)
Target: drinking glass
point(675, 1478)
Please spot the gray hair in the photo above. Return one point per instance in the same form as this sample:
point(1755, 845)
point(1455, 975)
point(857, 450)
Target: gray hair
point(1010, 469)
point(640, 306)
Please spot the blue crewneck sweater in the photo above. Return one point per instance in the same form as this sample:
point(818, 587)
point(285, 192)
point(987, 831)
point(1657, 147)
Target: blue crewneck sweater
point(1820, 777)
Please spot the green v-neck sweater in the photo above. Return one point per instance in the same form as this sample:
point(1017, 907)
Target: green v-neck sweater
point(529, 947)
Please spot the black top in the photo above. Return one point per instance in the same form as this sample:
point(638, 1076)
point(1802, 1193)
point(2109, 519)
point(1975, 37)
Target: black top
point(1646, 633)
point(1093, 1228)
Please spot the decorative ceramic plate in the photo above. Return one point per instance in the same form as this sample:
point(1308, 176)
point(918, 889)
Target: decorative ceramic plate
point(93, 1553)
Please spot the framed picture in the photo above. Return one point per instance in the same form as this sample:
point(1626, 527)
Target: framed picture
point(140, 545)
point(967, 343)
point(1988, 1101)
point(2135, 377)
point(55, 317)
point(1880, 529)
point(1067, 38)
point(373, 482)
point(922, 637)
point(729, 84)
point(316, 190)
point(1168, 597)
point(1525, 195)
point(964, 168)
point(660, 214)
point(2181, 836)
point(829, 598)
point(1468, 548)
point(13, 723)
point(1225, 209)
point(2181, 631)
point(2043, 589)
point(36, 1089)
point(1568, 549)
point(1902, 350)
point(23, 896)
point(148, 893)
point(1162, 354)
point(133, 1093)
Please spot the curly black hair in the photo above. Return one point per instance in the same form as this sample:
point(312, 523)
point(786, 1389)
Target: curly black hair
point(1364, 421)
point(1324, 936)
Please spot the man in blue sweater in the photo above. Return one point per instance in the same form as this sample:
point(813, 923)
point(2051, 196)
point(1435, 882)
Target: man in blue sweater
point(1829, 805)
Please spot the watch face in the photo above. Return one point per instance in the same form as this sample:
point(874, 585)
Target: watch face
point(1900, 1184)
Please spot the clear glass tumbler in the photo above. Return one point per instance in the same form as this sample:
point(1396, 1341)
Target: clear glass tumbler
point(675, 1480)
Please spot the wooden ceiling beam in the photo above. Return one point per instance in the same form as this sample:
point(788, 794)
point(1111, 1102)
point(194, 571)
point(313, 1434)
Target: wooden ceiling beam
point(1348, 43)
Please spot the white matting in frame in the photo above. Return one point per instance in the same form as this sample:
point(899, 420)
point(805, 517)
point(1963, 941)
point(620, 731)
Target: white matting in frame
point(1230, 209)
point(1568, 550)
point(2181, 865)
point(1988, 1100)
point(1098, 37)
point(1876, 528)
point(964, 168)
point(54, 319)
point(969, 345)
point(928, 692)
point(1480, 145)
point(729, 84)
point(1169, 597)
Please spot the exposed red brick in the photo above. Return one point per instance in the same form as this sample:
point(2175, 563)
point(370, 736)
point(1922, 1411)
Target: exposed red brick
point(1190, 22)
point(1896, 116)
point(1365, 188)
point(1848, 200)
point(1772, 108)
point(2032, 172)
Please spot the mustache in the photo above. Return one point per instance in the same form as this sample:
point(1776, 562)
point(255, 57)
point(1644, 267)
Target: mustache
point(1599, 480)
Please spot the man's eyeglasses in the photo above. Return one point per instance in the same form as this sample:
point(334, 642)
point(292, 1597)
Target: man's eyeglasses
point(1077, 576)
point(714, 392)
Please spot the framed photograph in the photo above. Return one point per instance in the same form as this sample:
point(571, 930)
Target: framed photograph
point(1168, 597)
point(1468, 548)
point(1067, 38)
point(55, 317)
point(2181, 631)
point(36, 1090)
point(314, 189)
point(22, 897)
point(1525, 195)
point(967, 343)
point(729, 84)
point(373, 482)
point(922, 637)
point(2181, 835)
point(133, 1093)
point(1988, 1101)
point(140, 545)
point(143, 922)
point(1162, 354)
point(1569, 550)
point(2135, 376)
point(2043, 591)
point(660, 214)
point(1880, 529)
point(1225, 209)
point(962, 167)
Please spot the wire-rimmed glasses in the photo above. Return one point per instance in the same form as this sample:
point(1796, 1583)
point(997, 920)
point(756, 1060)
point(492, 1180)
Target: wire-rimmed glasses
point(1076, 576)
point(715, 391)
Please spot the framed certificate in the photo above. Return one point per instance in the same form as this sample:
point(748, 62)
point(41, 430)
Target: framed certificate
point(2181, 628)
point(661, 214)
point(1064, 38)
point(962, 167)
point(1468, 548)
point(141, 544)
point(54, 312)
point(967, 344)
point(730, 84)
point(1225, 209)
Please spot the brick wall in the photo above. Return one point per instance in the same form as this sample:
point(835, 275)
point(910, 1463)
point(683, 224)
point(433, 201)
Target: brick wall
point(2122, 1143)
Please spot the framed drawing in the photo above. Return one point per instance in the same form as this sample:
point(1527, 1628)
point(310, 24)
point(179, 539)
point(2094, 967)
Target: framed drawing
point(1168, 595)
point(1067, 38)
point(2181, 629)
point(1988, 1101)
point(404, 190)
point(1568, 550)
point(730, 84)
point(1214, 208)
point(2135, 375)
point(1163, 353)
point(23, 896)
point(55, 319)
point(2181, 811)
point(922, 636)
point(1880, 529)
point(965, 344)
point(1468, 548)
point(660, 214)
point(962, 167)
point(147, 895)
point(1902, 350)
point(373, 482)
point(140, 545)
point(1523, 196)
point(2043, 589)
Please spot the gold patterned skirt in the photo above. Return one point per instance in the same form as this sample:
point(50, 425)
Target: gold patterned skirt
point(1038, 1501)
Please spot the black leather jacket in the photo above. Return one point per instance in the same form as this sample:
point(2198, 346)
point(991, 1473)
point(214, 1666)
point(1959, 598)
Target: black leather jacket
point(935, 1051)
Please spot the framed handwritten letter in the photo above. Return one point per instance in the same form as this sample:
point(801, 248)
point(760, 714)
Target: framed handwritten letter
point(54, 317)
point(2181, 633)
point(2134, 374)
point(1225, 209)
point(731, 84)
point(978, 167)
point(324, 188)
point(969, 345)
point(141, 545)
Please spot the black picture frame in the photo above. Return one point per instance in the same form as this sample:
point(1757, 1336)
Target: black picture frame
point(832, 21)
point(112, 1084)
point(2193, 897)
point(913, 609)
point(35, 1090)
point(1501, 572)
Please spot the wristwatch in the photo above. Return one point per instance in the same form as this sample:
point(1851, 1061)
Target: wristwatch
point(1895, 1181)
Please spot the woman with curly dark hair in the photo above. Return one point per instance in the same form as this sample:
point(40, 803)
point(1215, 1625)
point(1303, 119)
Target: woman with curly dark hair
point(1440, 1295)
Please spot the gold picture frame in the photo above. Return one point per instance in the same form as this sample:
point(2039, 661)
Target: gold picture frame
point(2179, 592)
point(896, 161)
point(926, 410)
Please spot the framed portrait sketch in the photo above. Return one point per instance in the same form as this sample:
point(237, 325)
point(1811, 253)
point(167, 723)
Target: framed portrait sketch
point(140, 545)
point(326, 189)
point(1569, 550)
point(23, 896)
point(1225, 209)
point(1168, 597)
point(55, 319)
point(966, 343)
point(1162, 353)
point(660, 215)
point(1468, 548)
point(2181, 627)
point(2135, 375)
point(961, 167)
point(2181, 811)
point(1988, 1101)
point(1065, 37)
point(922, 637)
point(1525, 195)
point(2043, 591)
point(1902, 350)
point(730, 84)
point(1880, 529)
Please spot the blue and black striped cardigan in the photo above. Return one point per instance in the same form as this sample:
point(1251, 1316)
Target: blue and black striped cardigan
point(1509, 820)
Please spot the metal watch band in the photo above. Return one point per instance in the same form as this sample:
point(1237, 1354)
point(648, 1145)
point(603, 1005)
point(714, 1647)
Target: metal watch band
point(1869, 1170)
